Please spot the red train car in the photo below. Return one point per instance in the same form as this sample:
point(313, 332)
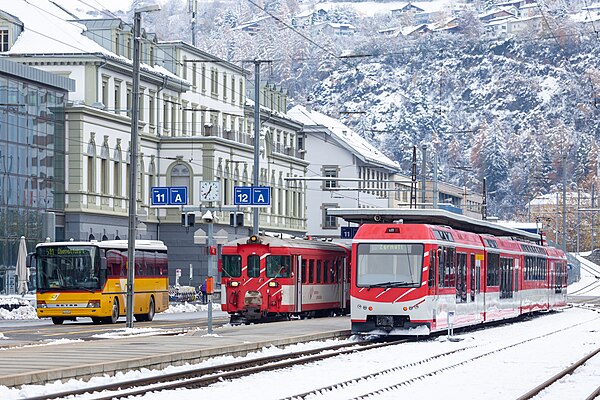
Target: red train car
point(265, 277)
point(414, 279)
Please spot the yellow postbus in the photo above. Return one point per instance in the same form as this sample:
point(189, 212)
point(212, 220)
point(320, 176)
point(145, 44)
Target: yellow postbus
point(89, 279)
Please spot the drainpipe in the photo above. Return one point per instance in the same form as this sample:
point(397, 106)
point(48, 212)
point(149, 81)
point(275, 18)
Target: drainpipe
point(158, 133)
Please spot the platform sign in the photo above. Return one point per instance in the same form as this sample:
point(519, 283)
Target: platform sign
point(252, 196)
point(169, 196)
point(242, 195)
point(348, 232)
point(261, 196)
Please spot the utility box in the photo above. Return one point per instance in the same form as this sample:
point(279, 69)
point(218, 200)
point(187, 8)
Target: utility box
point(236, 219)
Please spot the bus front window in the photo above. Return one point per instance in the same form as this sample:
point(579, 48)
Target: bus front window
point(68, 267)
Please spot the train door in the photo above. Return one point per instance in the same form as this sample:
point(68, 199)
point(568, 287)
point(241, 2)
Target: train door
point(432, 286)
point(300, 273)
point(343, 278)
point(479, 299)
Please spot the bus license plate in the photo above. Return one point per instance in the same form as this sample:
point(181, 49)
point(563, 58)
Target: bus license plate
point(66, 312)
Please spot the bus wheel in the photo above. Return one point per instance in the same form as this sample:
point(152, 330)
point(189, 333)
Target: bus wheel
point(151, 312)
point(58, 320)
point(114, 316)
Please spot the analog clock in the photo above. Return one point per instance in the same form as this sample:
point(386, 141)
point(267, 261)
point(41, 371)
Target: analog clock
point(210, 191)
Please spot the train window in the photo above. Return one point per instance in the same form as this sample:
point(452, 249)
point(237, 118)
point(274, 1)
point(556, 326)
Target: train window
point(493, 268)
point(319, 272)
point(278, 266)
point(253, 270)
point(327, 274)
point(389, 264)
point(506, 282)
point(232, 265)
point(461, 278)
point(432, 259)
point(311, 271)
point(516, 278)
point(303, 272)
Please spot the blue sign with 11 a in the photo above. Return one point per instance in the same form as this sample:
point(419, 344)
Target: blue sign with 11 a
point(169, 196)
point(252, 196)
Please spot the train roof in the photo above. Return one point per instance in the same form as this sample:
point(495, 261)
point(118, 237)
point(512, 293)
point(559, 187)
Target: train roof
point(114, 244)
point(430, 217)
point(292, 242)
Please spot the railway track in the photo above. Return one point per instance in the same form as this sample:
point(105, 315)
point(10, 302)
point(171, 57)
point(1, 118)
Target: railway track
point(565, 372)
point(205, 376)
point(385, 388)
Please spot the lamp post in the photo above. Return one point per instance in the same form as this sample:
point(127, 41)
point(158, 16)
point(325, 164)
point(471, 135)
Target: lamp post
point(137, 21)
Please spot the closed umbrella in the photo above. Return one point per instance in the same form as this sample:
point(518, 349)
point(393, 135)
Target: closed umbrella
point(22, 271)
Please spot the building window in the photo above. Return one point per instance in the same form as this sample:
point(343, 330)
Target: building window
point(330, 172)
point(4, 39)
point(194, 73)
point(233, 89)
point(203, 78)
point(128, 100)
point(224, 86)
point(180, 176)
point(328, 221)
point(117, 96)
point(151, 105)
point(117, 178)
point(105, 81)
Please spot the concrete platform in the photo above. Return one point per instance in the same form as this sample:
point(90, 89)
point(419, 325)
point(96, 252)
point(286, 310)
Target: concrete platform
point(82, 360)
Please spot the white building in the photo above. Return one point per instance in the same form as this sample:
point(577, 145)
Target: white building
point(361, 175)
point(195, 124)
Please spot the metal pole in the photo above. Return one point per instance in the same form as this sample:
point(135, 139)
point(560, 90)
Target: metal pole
point(255, 225)
point(593, 214)
point(423, 175)
point(211, 274)
point(578, 217)
point(435, 183)
point(194, 8)
point(564, 207)
point(137, 19)
point(556, 218)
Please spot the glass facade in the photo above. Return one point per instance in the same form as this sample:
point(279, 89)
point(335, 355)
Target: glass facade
point(32, 163)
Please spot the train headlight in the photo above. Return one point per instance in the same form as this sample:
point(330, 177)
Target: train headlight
point(234, 284)
point(273, 284)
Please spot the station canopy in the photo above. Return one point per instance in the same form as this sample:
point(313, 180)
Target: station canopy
point(429, 216)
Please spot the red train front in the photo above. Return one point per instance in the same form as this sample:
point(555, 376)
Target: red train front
point(265, 277)
point(414, 279)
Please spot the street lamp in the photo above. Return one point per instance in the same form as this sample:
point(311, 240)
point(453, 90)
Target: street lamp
point(137, 21)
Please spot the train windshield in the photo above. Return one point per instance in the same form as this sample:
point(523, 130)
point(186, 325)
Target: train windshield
point(232, 266)
point(68, 268)
point(389, 265)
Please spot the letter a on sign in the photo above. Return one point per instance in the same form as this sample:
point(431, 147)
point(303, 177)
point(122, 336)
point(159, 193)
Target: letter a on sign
point(178, 198)
point(260, 198)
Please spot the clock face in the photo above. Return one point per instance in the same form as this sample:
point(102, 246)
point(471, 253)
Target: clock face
point(210, 191)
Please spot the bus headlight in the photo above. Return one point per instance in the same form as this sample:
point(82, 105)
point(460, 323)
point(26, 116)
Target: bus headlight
point(93, 304)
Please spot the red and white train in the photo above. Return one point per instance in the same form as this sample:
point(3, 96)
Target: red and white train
point(415, 278)
point(263, 277)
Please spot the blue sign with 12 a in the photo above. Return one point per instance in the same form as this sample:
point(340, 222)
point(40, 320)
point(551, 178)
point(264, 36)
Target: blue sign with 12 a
point(252, 196)
point(169, 196)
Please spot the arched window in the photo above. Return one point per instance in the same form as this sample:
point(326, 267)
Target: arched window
point(180, 176)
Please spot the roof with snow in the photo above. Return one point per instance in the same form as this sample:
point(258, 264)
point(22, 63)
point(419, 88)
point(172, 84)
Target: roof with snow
point(50, 30)
point(348, 138)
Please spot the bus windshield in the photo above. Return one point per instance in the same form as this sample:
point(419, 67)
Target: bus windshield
point(68, 267)
point(389, 265)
